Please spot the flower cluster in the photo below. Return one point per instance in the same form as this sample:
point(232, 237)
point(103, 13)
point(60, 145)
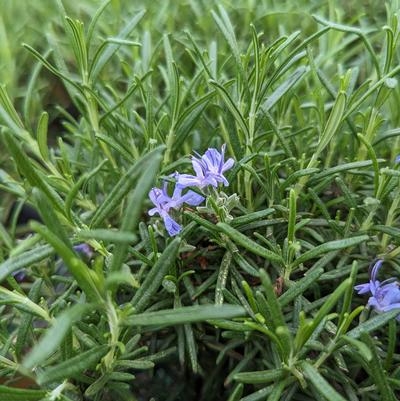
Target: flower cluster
point(385, 295)
point(209, 170)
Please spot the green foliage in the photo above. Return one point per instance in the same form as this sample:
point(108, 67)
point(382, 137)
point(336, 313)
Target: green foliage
point(254, 299)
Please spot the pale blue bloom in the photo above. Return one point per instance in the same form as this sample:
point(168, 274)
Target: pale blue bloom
point(385, 295)
point(164, 203)
point(209, 170)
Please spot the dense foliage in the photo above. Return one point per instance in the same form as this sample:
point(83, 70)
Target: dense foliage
point(252, 298)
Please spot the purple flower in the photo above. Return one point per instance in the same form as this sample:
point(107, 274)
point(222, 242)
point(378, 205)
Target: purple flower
point(84, 249)
point(163, 203)
point(373, 282)
point(209, 170)
point(397, 160)
point(19, 275)
point(385, 294)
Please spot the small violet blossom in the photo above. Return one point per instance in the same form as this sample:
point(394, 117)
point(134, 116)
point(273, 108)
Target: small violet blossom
point(164, 203)
point(385, 294)
point(209, 170)
point(84, 249)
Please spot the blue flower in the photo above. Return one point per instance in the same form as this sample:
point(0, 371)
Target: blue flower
point(209, 170)
point(385, 294)
point(164, 203)
point(373, 282)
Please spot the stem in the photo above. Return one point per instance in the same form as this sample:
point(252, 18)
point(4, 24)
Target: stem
point(113, 324)
point(304, 179)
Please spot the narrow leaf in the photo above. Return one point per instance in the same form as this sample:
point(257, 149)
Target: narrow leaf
point(186, 314)
point(53, 336)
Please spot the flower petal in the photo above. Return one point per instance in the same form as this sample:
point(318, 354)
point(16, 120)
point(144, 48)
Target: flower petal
point(212, 159)
point(375, 269)
point(198, 167)
point(192, 198)
point(153, 211)
point(391, 307)
point(187, 180)
point(153, 195)
point(228, 164)
point(177, 190)
point(363, 288)
point(171, 225)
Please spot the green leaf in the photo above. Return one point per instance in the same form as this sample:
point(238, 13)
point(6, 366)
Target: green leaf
point(363, 349)
point(272, 302)
point(42, 135)
point(113, 236)
point(340, 169)
point(186, 314)
point(320, 384)
point(94, 21)
point(298, 287)
point(377, 372)
point(373, 324)
point(250, 217)
point(278, 389)
point(76, 187)
point(26, 319)
point(51, 340)
point(333, 123)
point(225, 25)
point(358, 32)
point(31, 173)
point(249, 244)
point(258, 395)
point(22, 302)
point(109, 51)
point(222, 277)
point(49, 217)
point(25, 259)
point(17, 394)
point(261, 376)
point(328, 247)
point(203, 222)
point(189, 117)
point(52, 69)
point(154, 278)
point(73, 366)
point(372, 155)
point(9, 109)
point(230, 104)
point(283, 88)
point(137, 364)
point(134, 207)
point(303, 335)
point(81, 272)
point(116, 146)
point(346, 307)
point(123, 186)
point(237, 392)
point(191, 347)
point(392, 231)
point(292, 216)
